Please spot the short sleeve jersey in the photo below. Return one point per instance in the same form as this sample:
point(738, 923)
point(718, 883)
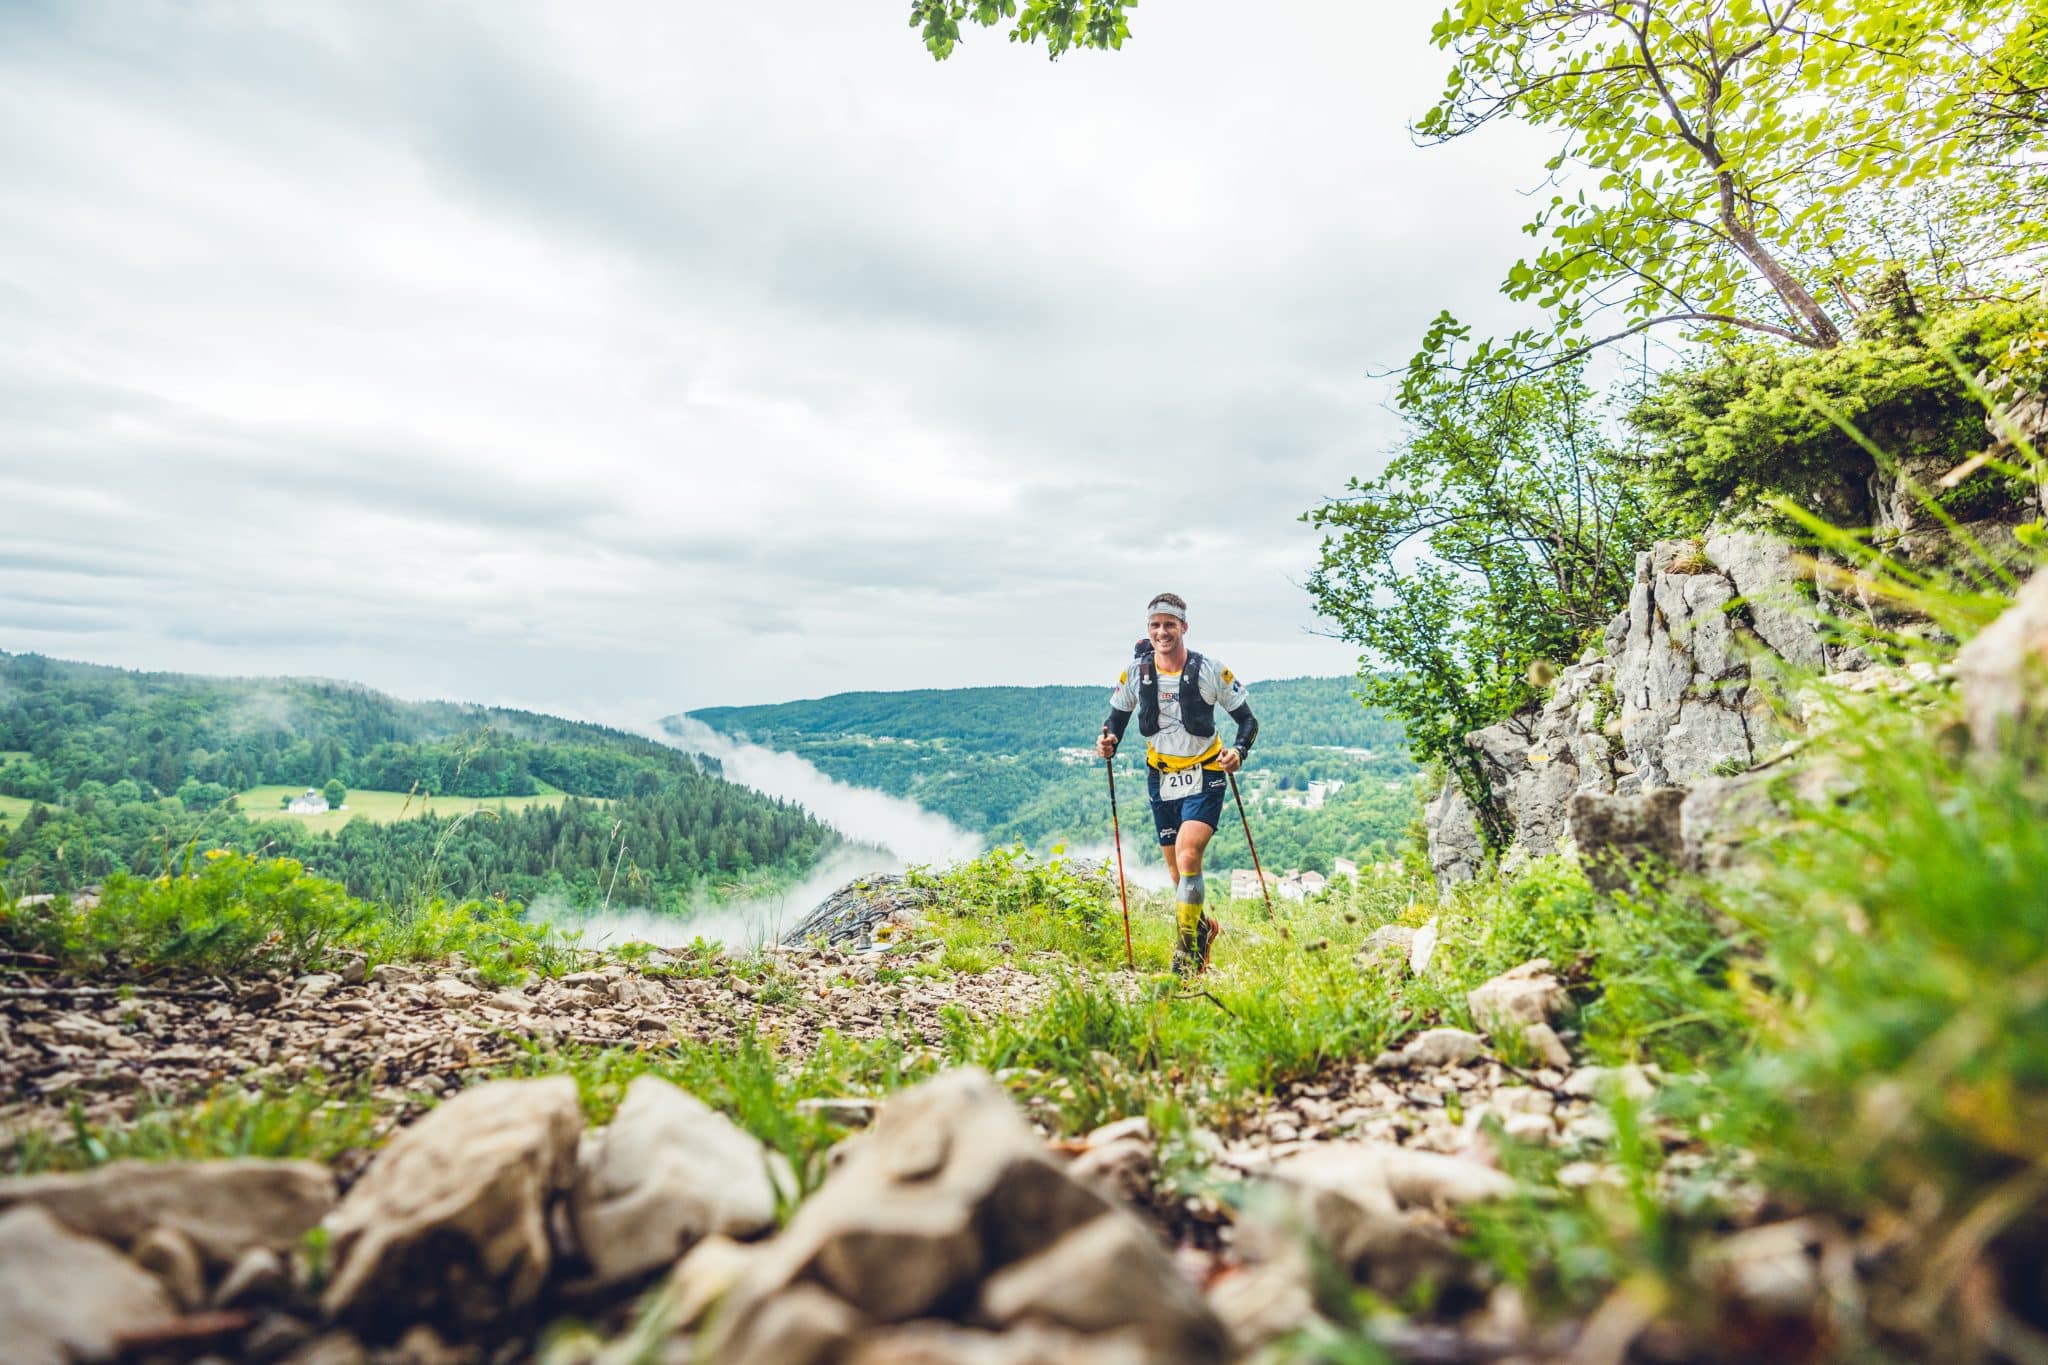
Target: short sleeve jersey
point(1173, 747)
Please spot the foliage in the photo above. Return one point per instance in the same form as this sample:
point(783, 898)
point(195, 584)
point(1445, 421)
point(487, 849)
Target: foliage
point(1063, 24)
point(1727, 167)
point(1907, 937)
point(1527, 518)
point(102, 749)
point(1007, 896)
point(230, 913)
point(1749, 421)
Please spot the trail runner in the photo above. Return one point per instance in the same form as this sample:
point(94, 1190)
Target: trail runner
point(1175, 695)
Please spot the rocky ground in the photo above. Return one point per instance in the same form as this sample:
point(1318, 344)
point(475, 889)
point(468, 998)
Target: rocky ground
point(416, 1033)
point(953, 1229)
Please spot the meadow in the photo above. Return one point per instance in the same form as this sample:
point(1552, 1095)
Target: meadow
point(382, 808)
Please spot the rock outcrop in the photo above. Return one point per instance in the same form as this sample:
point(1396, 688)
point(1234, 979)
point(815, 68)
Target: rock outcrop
point(1688, 687)
point(861, 912)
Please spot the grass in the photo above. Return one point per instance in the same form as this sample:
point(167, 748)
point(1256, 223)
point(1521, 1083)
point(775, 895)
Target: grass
point(14, 808)
point(752, 1083)
point(314, 1119)
point(381, 808)
point(229, 913)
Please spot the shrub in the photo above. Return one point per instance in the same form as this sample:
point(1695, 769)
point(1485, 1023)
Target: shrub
point(1742, 425)
point(236, 914)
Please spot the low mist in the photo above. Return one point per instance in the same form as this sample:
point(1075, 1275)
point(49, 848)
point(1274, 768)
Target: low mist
point(884, 833)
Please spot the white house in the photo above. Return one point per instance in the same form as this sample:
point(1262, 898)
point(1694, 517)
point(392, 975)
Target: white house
point(312, 803)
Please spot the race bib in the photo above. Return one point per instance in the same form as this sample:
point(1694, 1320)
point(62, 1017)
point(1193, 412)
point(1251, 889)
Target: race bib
point(1177, 785)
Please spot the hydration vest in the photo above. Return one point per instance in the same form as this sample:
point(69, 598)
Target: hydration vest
point(1197, 715)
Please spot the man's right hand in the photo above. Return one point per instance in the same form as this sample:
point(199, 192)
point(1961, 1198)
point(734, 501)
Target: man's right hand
point(1106, 745)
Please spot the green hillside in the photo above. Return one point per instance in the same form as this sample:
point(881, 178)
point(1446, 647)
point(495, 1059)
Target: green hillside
point(105, 770)
point(1016, 764)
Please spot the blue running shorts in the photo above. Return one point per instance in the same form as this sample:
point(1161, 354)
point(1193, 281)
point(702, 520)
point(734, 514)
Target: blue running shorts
point(1205, 806)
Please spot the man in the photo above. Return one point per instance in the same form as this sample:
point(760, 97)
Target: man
point(1176, 695)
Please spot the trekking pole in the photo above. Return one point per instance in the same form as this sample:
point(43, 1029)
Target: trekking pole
point(1117, 829)
point(1239, 796)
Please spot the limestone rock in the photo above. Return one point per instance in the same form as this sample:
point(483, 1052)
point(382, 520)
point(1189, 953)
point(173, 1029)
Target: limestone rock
point(1624, 840)
point(848, 1111)
point(1422, 948)
point(803, 1325)
point(225, 1207)
point(1542, 1040)
point(636, 992)
point(64, 1297)
point(850, 916)
point(704, 1276)
point(1771, 1269)
point(259, 1277)
point(1588, 1082)
point(450, 1219)
point(1118, 1159)
point(1260, 1303)
point(1528, 994)
point(950, 1186)
point(1441, 1047)
point(2003, 671)
point(170, 1255)
point(1108, 1275)
point(1456, 851)
point(1345, 1206)
point(666, 1172)
point(1387, 948)
point(452, 990)
point(943, 1343)
point(1721, 817)
point(1686, 689)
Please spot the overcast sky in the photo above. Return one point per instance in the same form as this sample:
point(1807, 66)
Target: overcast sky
point(620, 358)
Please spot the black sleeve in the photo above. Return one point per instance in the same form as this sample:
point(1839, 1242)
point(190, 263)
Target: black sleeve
point(1116, 723)
point(1247, 728)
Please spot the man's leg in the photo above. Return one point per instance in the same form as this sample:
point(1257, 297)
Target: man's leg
point(1189, 890)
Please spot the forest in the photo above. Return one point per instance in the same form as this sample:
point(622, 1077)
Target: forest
point(1016, 764)
point(117, 771)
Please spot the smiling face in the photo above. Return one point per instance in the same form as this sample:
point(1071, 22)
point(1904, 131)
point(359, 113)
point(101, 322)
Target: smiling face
point(1165, 633)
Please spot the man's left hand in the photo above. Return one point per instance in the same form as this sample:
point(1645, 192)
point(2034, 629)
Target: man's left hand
point(1230, 761)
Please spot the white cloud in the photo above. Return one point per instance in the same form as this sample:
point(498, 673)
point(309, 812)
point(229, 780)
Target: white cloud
point(697, 355)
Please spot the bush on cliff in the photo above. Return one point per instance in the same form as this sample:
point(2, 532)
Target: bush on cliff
point(1749, 422)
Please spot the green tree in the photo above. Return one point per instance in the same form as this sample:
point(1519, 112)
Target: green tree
point(1502, 536)
point(1734, 165)
point(1062, 24)
point(335, 793)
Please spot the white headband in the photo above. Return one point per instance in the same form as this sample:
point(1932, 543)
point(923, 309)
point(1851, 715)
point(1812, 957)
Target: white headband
point(1161, 607)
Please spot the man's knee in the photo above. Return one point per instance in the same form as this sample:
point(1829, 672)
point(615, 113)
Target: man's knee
point(1188, 857)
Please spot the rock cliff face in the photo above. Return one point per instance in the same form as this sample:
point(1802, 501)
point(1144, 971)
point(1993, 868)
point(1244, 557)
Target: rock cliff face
point(1685, 691)
point(1688, 692)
